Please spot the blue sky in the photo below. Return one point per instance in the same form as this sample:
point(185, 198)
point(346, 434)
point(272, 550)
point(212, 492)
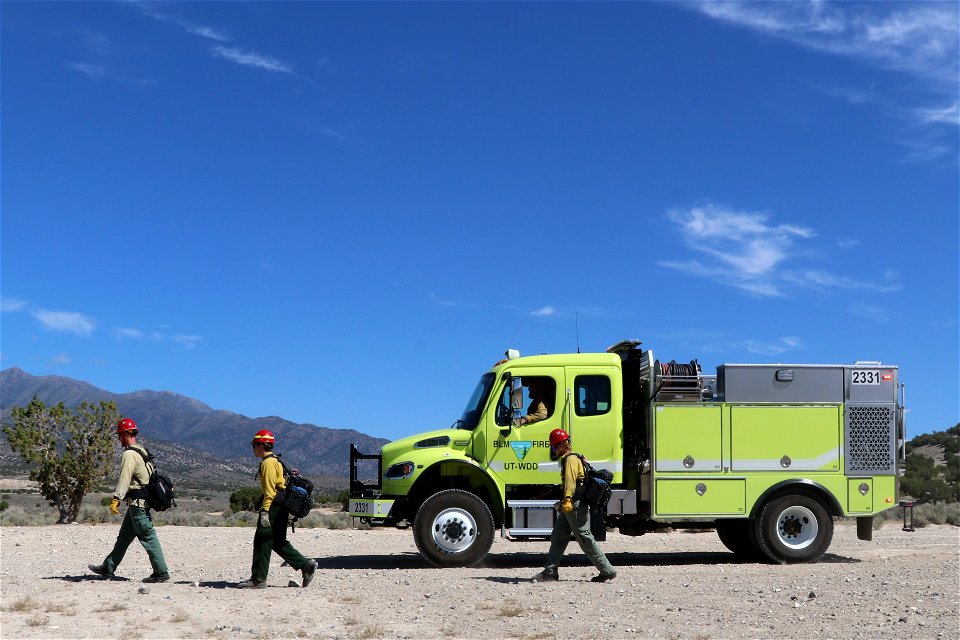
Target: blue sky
point(343, 213)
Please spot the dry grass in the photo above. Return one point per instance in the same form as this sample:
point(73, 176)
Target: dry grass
point(37, 621)
point(23, 605)
point(369, 633)
point(179, 617)
point(116, 606)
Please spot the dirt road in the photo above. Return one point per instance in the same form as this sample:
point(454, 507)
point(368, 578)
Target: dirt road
point(372, 584)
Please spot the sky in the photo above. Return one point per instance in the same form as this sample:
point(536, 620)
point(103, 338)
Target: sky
point(344, 213)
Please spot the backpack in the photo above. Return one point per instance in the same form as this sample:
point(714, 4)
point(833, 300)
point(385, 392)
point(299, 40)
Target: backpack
point(298, 492)
point(596, 485)
point(159, 490)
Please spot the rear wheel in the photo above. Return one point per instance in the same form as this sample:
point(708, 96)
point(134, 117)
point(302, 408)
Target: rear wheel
point(794, 528)
point(453, 528)
point(740, 537)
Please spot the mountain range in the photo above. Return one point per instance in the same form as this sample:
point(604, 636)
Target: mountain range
point(207, 447)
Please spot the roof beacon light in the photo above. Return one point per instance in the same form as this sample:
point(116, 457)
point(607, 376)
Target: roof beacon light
point(512, 354)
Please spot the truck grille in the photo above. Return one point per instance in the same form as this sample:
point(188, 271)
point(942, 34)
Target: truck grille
point(870, 438)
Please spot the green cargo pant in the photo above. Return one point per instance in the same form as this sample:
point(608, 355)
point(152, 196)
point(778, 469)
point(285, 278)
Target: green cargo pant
point(273, 538)
point(577, 522)
point(137, 524)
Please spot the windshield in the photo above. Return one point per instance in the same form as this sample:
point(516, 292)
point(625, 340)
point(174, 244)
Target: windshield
point(478, 399)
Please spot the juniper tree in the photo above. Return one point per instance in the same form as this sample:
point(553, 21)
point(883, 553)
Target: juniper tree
point(70, 451)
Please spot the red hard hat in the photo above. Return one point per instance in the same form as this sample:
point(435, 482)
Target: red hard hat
point(263, 437)
point(126, 424)
point(557, 436)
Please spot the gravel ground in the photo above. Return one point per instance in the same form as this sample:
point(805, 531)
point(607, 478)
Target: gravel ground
point(373, 584)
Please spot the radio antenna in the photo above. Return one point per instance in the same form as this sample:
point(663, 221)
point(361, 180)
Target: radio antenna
point(576, 316)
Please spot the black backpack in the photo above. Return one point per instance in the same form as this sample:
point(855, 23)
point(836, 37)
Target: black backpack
point(297, 494)
point(159, 490)
point(596, 489)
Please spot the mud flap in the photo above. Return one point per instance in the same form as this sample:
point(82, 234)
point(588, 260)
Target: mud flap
point(865, 528)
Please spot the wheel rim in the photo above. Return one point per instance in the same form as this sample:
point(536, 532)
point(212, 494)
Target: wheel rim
point(797, 527)
point(454, 530)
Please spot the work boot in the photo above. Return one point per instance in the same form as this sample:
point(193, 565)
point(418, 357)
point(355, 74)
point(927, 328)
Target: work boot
point(157, 577)
point(100, 570)
point(308, 570)
point(603, 577)
point(252, 584)
point(545, 576)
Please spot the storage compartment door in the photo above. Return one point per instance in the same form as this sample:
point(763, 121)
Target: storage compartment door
point(785, 438)
point(687, 438)
point(683, 497)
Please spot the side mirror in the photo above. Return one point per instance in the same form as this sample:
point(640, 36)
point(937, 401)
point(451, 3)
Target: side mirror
point(516, 399)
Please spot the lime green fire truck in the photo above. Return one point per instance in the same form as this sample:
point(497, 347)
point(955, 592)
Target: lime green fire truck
point(768, 454)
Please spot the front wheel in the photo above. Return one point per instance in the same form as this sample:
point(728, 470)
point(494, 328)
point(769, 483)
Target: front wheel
point(453, 528)
point(794, 528)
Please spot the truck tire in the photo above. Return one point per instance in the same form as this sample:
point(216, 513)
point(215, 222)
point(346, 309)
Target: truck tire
point(453, 528)
point(794, 528)
point(740, 536)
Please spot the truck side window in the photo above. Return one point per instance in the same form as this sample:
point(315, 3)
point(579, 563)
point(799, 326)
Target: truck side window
point(539, 393)
point(593, 395)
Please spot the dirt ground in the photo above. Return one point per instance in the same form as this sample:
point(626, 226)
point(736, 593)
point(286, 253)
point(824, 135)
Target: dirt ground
point(373, 584)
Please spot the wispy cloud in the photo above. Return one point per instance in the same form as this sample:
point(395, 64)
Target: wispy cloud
point(434, 298)
point(742, 249)
point(775, 347)
point(126, 333)
point(917, 38)
point(871, 312)
point(152, 10)
point(65, 321)
point(60, 358)
point(187, 341)
point(250, 59)
point(545, 312)
point(920, 40)
point(92, 70)
point(12, 305)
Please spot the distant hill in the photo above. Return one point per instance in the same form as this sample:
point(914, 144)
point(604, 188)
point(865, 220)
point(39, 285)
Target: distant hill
point(175, 426)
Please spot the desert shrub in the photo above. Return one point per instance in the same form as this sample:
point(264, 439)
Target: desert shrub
point(93, 515)
point(245, 499)
point(18, 517)
point(326, 521)
point(4, 505)
point(105, 502)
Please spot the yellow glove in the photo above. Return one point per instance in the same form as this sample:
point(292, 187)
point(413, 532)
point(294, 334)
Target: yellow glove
point(567, 505)
point(115, 507)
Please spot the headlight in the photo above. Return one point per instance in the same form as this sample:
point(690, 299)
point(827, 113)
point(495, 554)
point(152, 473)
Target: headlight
point(399, 471)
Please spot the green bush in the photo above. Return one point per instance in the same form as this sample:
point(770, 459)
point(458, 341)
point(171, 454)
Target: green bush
point(105, 502)
point(245, 499)
point(4, 505)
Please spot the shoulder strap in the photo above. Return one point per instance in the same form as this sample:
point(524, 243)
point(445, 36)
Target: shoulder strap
point(275, 456)
point(147, 457)
point(586, 465)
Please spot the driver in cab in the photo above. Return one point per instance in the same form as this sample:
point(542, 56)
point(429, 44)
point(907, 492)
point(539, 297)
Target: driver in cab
point(541, 394)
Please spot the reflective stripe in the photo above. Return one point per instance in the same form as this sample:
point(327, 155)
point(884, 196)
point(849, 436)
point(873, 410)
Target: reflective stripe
point(769, 464)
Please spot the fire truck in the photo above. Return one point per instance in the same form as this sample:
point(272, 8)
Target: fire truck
point(767, 454)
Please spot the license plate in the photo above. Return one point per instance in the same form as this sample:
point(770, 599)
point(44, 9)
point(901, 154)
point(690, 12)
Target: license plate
point(370, 508)
point(865, 376)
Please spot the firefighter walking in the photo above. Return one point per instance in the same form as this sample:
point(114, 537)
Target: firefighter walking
point(271, 534)
point(573, 516)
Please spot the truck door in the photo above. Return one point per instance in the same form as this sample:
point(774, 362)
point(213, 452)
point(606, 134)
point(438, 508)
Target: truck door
point(593, 416)
point(520, 455)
